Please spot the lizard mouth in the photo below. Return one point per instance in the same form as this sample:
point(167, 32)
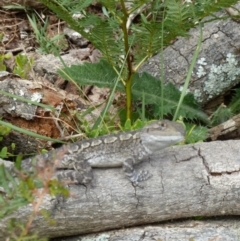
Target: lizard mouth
point(168, 139)
point(158, 142)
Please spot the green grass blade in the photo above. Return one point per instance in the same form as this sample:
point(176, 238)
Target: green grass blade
point(195, 55)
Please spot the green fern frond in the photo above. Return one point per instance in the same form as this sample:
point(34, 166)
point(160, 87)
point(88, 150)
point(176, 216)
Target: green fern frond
point(74, 6)
point(207, 7)
point(111, 5)
point(64, 14)
point(147, 41)
point(178, 17)
point(105, 38)
point(88, 21)
point(177, 11)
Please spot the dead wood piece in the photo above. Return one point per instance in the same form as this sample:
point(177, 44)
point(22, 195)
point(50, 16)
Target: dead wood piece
point(228, 130)
point(22, 88)
point(23, 144)
point(48, 65)
point(193, 180)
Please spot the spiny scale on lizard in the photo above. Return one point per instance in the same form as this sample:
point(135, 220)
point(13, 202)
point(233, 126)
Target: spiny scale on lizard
point(123, 149)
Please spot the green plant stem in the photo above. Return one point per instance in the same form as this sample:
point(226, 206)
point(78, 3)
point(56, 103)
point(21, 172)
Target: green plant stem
point(128, 84)
point(162, 67)
point(129, 97)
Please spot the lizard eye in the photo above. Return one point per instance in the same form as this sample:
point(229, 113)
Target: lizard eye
point(163, 126)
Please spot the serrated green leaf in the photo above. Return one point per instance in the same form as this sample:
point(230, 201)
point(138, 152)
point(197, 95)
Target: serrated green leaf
point(102, 74)
point(152, 89)
point(195, 133)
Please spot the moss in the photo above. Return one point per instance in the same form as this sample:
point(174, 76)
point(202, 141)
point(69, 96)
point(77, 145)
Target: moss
point(219, 77)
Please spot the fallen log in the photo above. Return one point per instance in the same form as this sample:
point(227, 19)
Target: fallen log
point(193, 180)
point(192, 230)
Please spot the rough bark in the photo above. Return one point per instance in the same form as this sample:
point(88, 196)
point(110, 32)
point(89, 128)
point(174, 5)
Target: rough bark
point(193, 180)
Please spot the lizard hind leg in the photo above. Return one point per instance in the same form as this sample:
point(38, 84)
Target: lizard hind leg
point(73, 177)
point(133, 176)
point(80, 174)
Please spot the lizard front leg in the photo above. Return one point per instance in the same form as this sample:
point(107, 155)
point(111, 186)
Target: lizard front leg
point(133, 176)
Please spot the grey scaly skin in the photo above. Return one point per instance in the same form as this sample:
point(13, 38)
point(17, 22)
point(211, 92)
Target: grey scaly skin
point(74, 161)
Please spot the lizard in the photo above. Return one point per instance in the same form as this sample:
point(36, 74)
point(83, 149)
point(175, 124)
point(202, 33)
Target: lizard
point(125, 149)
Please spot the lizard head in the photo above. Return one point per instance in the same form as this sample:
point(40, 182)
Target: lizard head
point(160, 134)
